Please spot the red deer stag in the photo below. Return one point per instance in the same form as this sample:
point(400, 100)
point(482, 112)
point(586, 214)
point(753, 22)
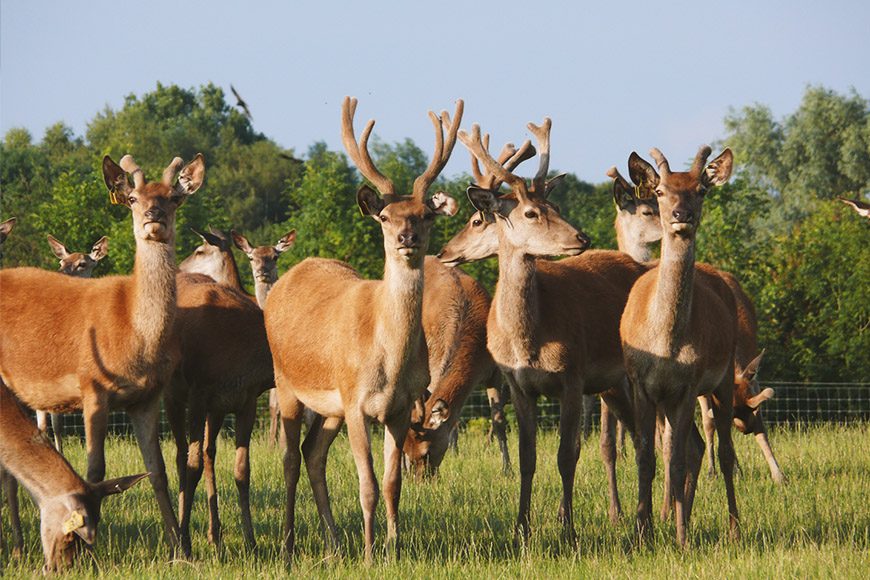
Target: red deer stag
point(455, 309)
point(107, 343)
point(553, 326)
point(678, 333)
point(69, 507)
point(352, 349)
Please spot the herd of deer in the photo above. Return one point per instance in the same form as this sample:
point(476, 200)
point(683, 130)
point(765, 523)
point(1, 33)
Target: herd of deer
point(648, 337)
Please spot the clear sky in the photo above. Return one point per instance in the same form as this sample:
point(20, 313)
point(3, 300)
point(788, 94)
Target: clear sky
point(614, 76)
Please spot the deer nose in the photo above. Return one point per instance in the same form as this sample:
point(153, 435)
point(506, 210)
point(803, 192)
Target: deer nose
point(584, 240)
point(408, 238)
point(155, 214)
point(683, 215)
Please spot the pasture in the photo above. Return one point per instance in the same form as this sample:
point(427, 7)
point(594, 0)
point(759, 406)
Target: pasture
point(460, 525)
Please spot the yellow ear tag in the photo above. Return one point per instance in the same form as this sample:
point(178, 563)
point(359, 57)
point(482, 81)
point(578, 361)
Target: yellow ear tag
point(488, 217)
point(75, 522)
point(641, 192)
point(115, 198)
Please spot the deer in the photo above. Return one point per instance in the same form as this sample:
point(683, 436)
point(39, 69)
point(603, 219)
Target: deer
point(225, 365)
point(80, 265)
point(353, 350)
point(455, 310)
point(638, 225)
point(5, 227)
point(678, 333)
point(553, 325)
point(69, 506)
point(97, 345)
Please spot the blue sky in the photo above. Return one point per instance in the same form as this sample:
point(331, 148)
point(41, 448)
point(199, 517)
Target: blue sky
point(614, 76)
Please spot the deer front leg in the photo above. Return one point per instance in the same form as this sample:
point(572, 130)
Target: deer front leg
point(369, 493)
point(213, 424)
point(678, 415)
point(244, 428)
point(176, 417)
point(723, 413)
point(291, 417)
point(498, 422)
point(570, 436)
point(607, 445)
point(315, 449)
point(95, 412)
point(644, 441)
point(395, 432)
point(144, 417)
point(526, 409)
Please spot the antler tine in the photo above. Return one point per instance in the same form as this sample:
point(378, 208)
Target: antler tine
point(128, 165)
point(661, 162)
point(542, 134)
point(614, 174)
point(475, 145)
point(443, 147)
point(479, 176)
point(359, 152)
point(526, 151)
point(172, 170)
point(701, 160)
point(487, 180)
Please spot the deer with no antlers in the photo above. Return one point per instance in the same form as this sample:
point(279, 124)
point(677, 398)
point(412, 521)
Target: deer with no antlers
point(69, 507)
point(353, 350)
point(678, 334)
point(553, 326)
point(107, 343)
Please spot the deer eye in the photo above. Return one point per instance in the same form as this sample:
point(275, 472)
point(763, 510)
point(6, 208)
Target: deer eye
point(383, 218)
point(531, 214)
point(476, 223)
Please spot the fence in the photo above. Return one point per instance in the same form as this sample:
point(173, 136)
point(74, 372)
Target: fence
point(791, 403)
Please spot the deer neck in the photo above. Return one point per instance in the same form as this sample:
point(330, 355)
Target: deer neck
point(400, 300)
point(262, 289)
point(515, 303)
point(154, 301)
point(672, 303)
point(231, 272)
point(638, 250)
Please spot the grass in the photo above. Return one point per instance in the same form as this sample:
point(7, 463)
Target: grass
point(461, 524)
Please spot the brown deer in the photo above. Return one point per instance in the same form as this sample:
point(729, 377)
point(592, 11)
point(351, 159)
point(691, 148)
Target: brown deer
point(353, 350)
point(69, 507)
point(5, 227)
point(455, 310)
point(678, 333)
point(225, 365)
point(552, 327)
point(107, 343)
point(214, 258)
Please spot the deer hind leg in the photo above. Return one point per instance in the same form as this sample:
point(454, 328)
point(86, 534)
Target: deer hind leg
point(570, 435)
point(321, 433)
point(176, 416)
point(644, 442)
point(144, 417)
point(678, 415)
point(291, 418)
point(244, 428)
point(695, 447)
point(526, 409)
point(361, 445)
point(395, 432)
point(607, 446)
point(723, 413)
point(213, 424)
point(497, 396)
point(192, 474)
point(709, 432)
point(668, 496)
point(95, 412)
point(274, 417)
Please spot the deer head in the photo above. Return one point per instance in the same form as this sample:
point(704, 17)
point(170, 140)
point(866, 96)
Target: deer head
point(637, 210)
point(529, 221)
point(405, 219)
point(264, 259)
point(153, 204)
point(208, 257)
point(5, 228)
point(79, 264)
point(748, 396)
point(681, 194)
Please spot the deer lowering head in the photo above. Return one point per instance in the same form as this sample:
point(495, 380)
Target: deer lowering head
point(79, 264)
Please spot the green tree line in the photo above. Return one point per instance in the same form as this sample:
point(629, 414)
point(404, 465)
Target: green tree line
point(800, 254)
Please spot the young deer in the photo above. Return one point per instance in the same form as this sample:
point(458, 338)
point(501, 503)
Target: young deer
point(552, 327)
point(69, 507)
point(678, 334)
point(107, 343)
point(214, 258)
point(352, 349)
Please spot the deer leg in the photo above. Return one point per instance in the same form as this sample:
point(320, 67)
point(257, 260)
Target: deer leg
point(526, 409)
point(588, 403)
point(244, 427)
point(56, 427)
point(607, 446)
point(766, 449)
point(668, 497)
point(570, 435)
point(678, 415)
point(321, 433)
point(144, 417)
point(396, 429)
point(95, 411)
point(498, 423)
point(176, 417)
point(723, 413)
point(10, 489)
point(695, 447)
point(192, 473)
point(360, 443)
point(213, 424)
point(709, 432)
point(291, 418)
point(274, 416)
point(644, 442)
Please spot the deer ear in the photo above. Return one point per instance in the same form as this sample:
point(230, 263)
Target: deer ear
point(286, 242)
point(57, 248)
point(369, 202)
point(440, 412)
point(718, 171)
point(443, 204)
point(100, 250)
point(622, 197)
point(191, 177)
point(117, 485)
point(641, 171)
point(241, 242)
point(484, 200)
point(116, 181)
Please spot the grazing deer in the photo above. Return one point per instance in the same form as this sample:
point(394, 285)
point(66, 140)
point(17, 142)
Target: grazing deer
point(353, 350)
point(69, 507)
point(455, 310)
point(107, 343)
point(552, 327)
point(678, 334)
point(225, 365)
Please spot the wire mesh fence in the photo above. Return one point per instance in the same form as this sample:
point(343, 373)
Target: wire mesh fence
point(792, 403)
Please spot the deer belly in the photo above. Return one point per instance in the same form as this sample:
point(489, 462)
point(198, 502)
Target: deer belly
point(323, 402)
point(58, 395)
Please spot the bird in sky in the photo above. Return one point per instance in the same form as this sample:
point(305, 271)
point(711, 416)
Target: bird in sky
point(241, 103)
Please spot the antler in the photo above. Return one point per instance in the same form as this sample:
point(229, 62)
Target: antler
point(509, 158)
point(701, 160)
point(614, 174)
point(542, 133)
point(474, 144)
point(443, 148)
point(662, 163)
point(128, 165)
point(359, 153)
point(172, 170)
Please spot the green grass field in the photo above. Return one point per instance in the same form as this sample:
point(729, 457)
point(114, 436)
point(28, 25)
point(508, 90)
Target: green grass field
point(460, 525)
